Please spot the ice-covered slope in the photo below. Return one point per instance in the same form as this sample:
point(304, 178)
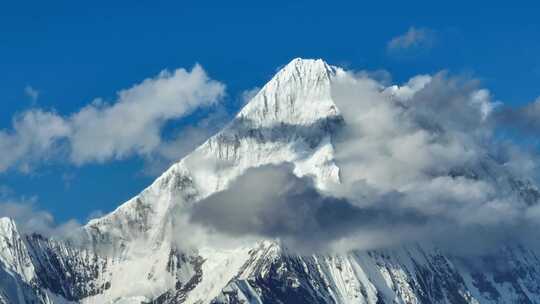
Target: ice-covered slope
point(131, 255)
point(290, 119)
point(18, 275)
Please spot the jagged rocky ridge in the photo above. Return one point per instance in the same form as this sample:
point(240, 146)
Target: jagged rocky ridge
point(130, 255)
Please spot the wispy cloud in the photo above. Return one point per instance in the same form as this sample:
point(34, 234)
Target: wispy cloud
point(31, 93)
point(413, 38)
point(247, 95)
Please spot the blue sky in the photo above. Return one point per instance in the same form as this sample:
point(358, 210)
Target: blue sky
point(60, 56)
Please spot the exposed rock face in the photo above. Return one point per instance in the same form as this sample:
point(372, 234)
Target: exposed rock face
point(130, 254)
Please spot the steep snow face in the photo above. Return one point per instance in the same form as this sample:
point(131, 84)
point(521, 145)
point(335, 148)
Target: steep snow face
point(14, 256)
point(18, 277)
point(299, 94)
point(291, 119)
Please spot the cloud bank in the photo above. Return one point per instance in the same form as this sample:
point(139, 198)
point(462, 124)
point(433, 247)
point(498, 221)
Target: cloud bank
point(419, 162)
point(272, 202)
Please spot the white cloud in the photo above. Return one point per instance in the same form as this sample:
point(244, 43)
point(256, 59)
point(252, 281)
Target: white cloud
point(34, 137)
point(428, 146)
point(131, 125)
point(32, 93)
point(413, 38)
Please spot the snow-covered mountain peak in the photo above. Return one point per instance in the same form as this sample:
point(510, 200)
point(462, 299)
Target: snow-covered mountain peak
point(291, 119)
point(299, 94)
point(140, 252)
point(306, 68)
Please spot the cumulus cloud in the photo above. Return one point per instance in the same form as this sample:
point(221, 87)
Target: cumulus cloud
point(101, 131)
point(398, 134)
point(431, 142)
point(418, 162)
point(132, 124)
point(414, 38)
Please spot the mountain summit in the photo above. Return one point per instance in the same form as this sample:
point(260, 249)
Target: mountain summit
point(136, 254)
point(298, 94)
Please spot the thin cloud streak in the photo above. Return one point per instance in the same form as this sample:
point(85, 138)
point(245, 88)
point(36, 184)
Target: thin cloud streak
point(413, 38)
